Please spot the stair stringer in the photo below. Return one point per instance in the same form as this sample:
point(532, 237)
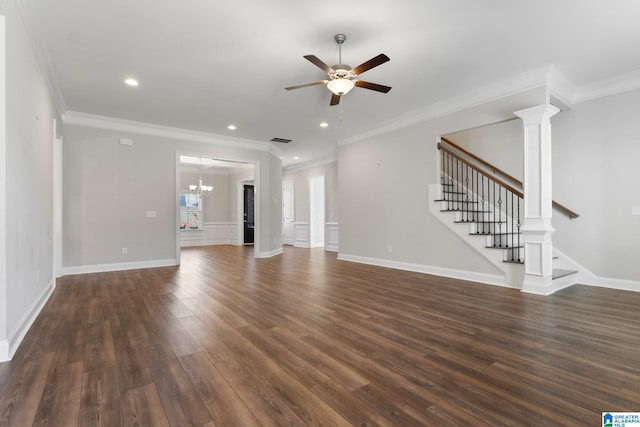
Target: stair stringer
point(513, 273)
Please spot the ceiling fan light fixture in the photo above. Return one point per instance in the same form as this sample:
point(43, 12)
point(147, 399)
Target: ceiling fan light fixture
point(340, 86)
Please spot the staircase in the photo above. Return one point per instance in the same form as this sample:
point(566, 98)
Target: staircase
point(484, 206)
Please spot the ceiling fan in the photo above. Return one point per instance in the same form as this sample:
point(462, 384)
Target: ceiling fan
point(342, 78)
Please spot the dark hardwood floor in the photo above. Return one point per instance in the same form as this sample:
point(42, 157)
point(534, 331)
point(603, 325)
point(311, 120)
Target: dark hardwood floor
point(305, 339)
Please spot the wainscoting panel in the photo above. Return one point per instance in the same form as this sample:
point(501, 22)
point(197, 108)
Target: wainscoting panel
point(301, 234)
point(213, 233)
point(332, 237)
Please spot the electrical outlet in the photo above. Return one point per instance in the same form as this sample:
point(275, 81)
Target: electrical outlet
point(389, 249)
point(124, 251)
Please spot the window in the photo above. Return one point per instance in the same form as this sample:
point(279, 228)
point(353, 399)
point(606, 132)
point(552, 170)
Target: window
point(190, 211)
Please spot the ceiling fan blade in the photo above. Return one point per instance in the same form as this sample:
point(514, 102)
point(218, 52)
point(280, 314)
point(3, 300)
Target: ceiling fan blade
point(318, 63)
point(373, 62)
point(335, 99)
point(321, 82)
point(373, 86)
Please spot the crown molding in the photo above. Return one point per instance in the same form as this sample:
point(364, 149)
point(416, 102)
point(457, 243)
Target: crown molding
point(130, 126)
point(611, 86)
point(559, 88)
point(492, 92)
point(308, 165)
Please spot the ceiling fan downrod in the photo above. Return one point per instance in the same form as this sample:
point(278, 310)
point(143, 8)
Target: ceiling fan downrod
point(340, 38)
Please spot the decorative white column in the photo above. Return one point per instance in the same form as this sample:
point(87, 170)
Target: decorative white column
point(536, 228)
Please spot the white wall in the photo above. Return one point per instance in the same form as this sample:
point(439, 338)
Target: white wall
point(109, 187)
point(217, 204)
point(596, 152)
point(26, 186)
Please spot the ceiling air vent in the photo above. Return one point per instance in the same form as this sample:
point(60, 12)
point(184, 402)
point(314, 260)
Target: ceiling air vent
point(283, 140)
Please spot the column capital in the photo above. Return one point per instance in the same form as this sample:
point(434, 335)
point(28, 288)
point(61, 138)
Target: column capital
point(537, 114)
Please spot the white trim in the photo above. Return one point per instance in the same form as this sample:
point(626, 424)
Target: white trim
point(549, 76)
point(301, 231)
point(9, 346)
point(211, 233)
point(332, 243)
point(304, 166)
point(489, 279)
point(121, 125)
point(119, 266)
point(619, 284)
point(269, 254)
point(611, 86)
point(492, 92)
point(4, 345)
point(587, 277)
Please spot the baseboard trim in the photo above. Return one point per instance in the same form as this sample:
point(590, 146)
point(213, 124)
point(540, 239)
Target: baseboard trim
point(269, 254)
point(489, 279)
point(101, 268)
point(587, 277)
point(619, 284)
point(9, 346)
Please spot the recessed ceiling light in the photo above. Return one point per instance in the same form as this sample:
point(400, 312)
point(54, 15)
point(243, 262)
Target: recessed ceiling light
point(324, 124)
point(131, 82)
point(231, 127)
point(296, 158)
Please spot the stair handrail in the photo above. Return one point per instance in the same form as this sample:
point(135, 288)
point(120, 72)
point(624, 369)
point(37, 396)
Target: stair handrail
point(571, 214)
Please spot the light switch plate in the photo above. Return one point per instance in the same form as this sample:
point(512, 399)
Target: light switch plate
point(151, 214)
point(635, 210)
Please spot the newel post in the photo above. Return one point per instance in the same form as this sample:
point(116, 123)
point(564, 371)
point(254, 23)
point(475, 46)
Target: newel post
point(536, 228)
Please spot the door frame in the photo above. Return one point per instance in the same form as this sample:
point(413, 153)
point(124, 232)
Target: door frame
point(256, 180)
point(312, 223)
point(293, 213)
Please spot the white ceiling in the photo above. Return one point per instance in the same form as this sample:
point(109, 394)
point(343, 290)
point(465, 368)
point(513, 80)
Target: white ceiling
point(205, 64)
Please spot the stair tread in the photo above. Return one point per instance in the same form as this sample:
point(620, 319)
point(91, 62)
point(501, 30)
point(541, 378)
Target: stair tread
point(514, 261)
point(455, 201)
point(559, 273)
point(504, 247)
point(462, 210)
point(482, 222)
point(494, 234)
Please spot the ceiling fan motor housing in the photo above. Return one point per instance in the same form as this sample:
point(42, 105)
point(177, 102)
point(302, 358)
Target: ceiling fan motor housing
point(341, 71)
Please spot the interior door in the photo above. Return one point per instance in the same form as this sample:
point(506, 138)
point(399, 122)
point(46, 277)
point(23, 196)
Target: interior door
point(249, 214)
point(288, 229)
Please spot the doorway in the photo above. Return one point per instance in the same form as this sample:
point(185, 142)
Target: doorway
point(288, 229)
point(249, 213)
point(316, 211)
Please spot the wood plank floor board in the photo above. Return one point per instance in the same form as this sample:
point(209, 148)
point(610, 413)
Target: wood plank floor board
point(23, 393)
point(61, 397)
point(305, 339)
point(142, 407)
point(265, 406)
point(179, 398)
point(101, 405)
point(355, 410)
point(132, 362)
point(286, 360)
point(224, 405)
point(340, 373)
point(210, 343)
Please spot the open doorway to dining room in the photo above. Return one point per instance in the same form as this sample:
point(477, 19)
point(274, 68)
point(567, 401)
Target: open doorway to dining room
point(208, 201)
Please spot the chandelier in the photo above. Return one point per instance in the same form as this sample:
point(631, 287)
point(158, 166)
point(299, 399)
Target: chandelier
point(200, 189)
